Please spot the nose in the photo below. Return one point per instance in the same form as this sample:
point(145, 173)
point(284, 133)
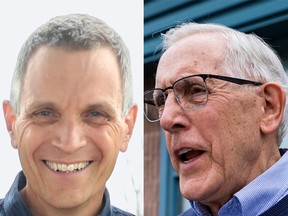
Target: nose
point(173, 118)
point(70, 136)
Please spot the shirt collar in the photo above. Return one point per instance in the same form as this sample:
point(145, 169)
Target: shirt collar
point(107, 208)
point(232, 207)
point(257, 196)
point(14, 205)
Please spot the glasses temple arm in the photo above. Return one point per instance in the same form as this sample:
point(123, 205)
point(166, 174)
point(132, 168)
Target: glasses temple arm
point(150, 102)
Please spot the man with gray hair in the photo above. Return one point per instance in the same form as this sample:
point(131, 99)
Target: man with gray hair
point(220, 96)
point(69, 115)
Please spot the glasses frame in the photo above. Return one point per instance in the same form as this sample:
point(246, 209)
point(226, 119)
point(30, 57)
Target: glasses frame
point(234, 80)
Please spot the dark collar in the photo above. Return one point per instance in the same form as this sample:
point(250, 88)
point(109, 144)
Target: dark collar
point(14, 205)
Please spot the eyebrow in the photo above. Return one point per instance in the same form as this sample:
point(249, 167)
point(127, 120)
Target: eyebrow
point(104, 105)
point(38, 105)
point(172, 80)
point(101, 105)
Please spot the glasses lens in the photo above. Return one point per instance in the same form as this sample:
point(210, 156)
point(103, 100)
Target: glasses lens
point(191, 92)
point(154, 101)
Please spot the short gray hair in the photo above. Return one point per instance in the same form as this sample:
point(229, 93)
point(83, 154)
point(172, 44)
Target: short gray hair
point(74, 32)
point(247, 56)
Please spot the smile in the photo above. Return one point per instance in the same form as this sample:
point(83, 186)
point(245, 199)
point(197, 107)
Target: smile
point(67, 167)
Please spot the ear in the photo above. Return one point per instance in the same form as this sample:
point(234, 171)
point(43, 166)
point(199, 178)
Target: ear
point(275, 100)
point(130, 120)
point(10, 118)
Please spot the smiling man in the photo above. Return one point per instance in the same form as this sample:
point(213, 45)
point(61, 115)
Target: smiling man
point(69, 115)
point(220, 96)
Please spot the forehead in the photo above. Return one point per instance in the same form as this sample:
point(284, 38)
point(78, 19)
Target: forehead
point(56, 74)
point(195, 54)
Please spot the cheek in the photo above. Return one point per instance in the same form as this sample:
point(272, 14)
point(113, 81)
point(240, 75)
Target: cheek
point(174, 161)
point(231, 131)
point(28, 141)
point(232, 118)
point(23, 133)
point(168, 138)
point(109, 138)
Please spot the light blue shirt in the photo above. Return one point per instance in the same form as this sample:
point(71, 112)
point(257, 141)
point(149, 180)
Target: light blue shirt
point(258, 196)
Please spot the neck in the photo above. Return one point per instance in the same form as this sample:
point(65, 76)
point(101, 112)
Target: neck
point(267, 158)
point(37, 206)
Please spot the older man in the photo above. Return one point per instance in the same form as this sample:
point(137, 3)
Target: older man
point(69, 115)
point(220, 96)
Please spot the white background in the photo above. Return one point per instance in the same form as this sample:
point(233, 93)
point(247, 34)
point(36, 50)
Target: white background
point(17, 20)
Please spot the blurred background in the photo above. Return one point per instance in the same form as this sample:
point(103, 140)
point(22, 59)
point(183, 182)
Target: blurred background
point(266, 18)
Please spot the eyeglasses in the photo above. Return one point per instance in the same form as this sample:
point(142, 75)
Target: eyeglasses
point(190, 92)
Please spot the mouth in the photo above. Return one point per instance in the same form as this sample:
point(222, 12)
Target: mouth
point(57, 167)
point(187, 155)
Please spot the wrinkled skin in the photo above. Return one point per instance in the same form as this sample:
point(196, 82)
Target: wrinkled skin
point(235, 132)
point(64, 96)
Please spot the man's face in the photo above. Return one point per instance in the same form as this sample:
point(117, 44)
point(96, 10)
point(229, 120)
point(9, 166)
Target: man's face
point(66, 155)
point(214, 149)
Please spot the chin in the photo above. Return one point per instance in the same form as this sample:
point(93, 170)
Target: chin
point(68, 200)
point(193, 189)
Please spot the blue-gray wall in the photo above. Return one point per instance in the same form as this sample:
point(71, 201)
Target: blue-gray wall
point(266, 18)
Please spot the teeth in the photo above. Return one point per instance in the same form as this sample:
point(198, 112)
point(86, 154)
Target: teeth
point(183, 151)
point(70, 167)
point(67, 167)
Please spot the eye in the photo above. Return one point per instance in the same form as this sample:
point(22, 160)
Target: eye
point(195, 94)
point(190, 91)
point(95, 114)
point(45, 113)
point(96, 117)
point(159, 100)
point(196, 89)
point(44, 116)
